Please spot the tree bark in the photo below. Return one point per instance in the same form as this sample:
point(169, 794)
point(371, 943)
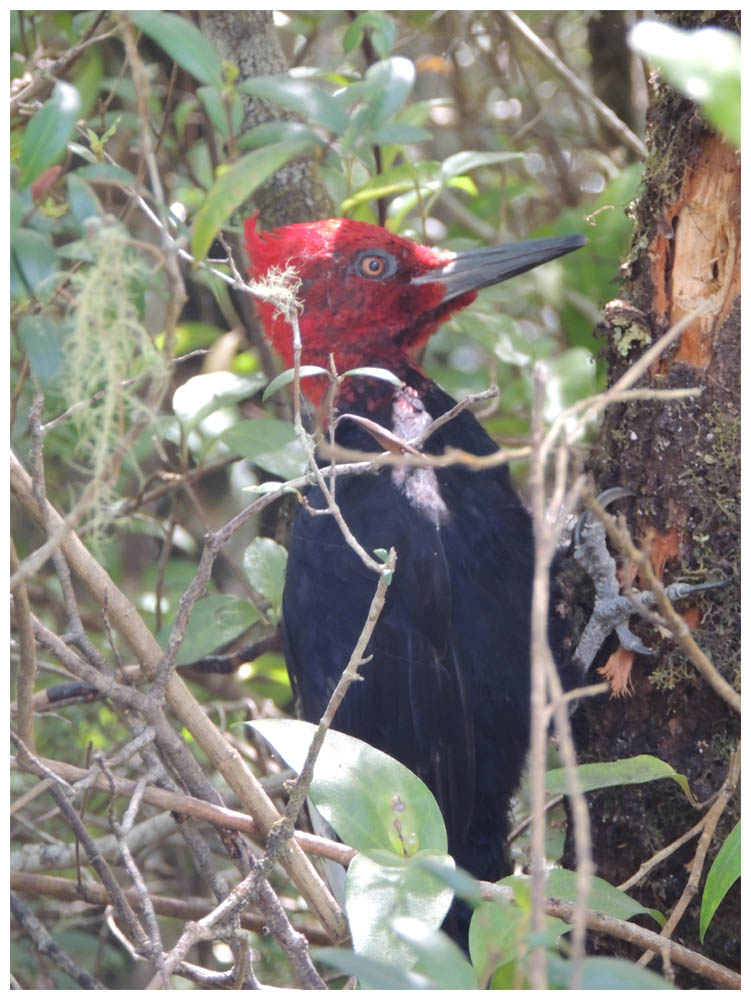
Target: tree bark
point(682, 461)
point(295, 193)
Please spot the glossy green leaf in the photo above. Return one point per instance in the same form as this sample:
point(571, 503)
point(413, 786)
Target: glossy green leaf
point(441, 958)
point(234, 186)
point(462, 163)
point(382, 31)
point(214, 621)
point(107, 173)
point(371, 800)
point(378, 974)
point(600, 973)
point(372, 372)
point(303, 96)
point(203, 394)
point(725, 870)
point(84, 204)
point(405, 177)
point(386, 87)
point(270, 444)
point(288, 376)
point(271, 132)
point(629, 771)
point(183, 42)
point(34, 265)
point(48, 131)
point(704, 64)
point(264, 563)
point(383, 889)
point(560, 883)
point(43, 339)
point(498, 935)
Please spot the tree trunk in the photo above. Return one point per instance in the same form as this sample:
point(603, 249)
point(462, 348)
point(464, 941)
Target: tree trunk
point(247, 38)
point(682, 461)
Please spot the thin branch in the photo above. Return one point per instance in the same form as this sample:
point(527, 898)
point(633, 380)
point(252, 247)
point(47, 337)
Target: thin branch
point(621, 129)
point(697, 865)
point(625, 930)
point(45, 945)
point(187, 805)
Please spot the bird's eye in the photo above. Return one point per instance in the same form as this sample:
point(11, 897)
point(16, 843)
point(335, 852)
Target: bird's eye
point(375, 264)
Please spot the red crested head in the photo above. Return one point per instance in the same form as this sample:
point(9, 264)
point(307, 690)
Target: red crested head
point(374, 298)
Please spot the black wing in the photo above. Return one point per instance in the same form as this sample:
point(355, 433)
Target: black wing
point(411, 702)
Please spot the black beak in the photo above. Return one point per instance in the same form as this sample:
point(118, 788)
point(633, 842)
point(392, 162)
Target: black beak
point(473, 269)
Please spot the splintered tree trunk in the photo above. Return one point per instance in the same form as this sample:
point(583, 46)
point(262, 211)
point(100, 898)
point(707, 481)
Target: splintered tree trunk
point(682, 461)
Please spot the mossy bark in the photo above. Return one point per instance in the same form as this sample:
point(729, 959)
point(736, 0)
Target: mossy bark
point(682, 460)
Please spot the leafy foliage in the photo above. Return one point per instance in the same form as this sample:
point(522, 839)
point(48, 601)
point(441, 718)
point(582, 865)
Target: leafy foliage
point(155, 419)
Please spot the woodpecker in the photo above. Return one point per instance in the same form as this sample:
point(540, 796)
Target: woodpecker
point(446, 688)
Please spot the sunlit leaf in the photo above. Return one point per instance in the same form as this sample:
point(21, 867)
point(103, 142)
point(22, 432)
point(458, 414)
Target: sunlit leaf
point(371, 800)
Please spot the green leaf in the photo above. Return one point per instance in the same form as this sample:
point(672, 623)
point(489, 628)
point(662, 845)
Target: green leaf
point(725, 870)
point(604, 974)
point(461, 883)
point(33, 265)
point(264, 563)
point(47, 133)
point(203, 394)
point(288, 376)
point(382, 32)
point(234, 186)
point(42, 339)
point(437, 954)
point(386, 87)
point(371, 800)
point(704, 64)
point(271, 132)
point(498, 935)
point(380, 373)
point(406, 177)
point(214, 621)
point(381, 889)
point(183, 42)
point(462, 163)
point(84, 204)
point(216, 109)
point(560, 883)
point(107, 173)
point(302, 96)
point(629, 771)
point(270, 444)
point(379, 975)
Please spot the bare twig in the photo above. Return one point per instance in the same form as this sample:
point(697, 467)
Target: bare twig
point(179, 803)
point(44, 945)
point(575, 83)
point(27, 662)
point(697, 865)
point(624, 930)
